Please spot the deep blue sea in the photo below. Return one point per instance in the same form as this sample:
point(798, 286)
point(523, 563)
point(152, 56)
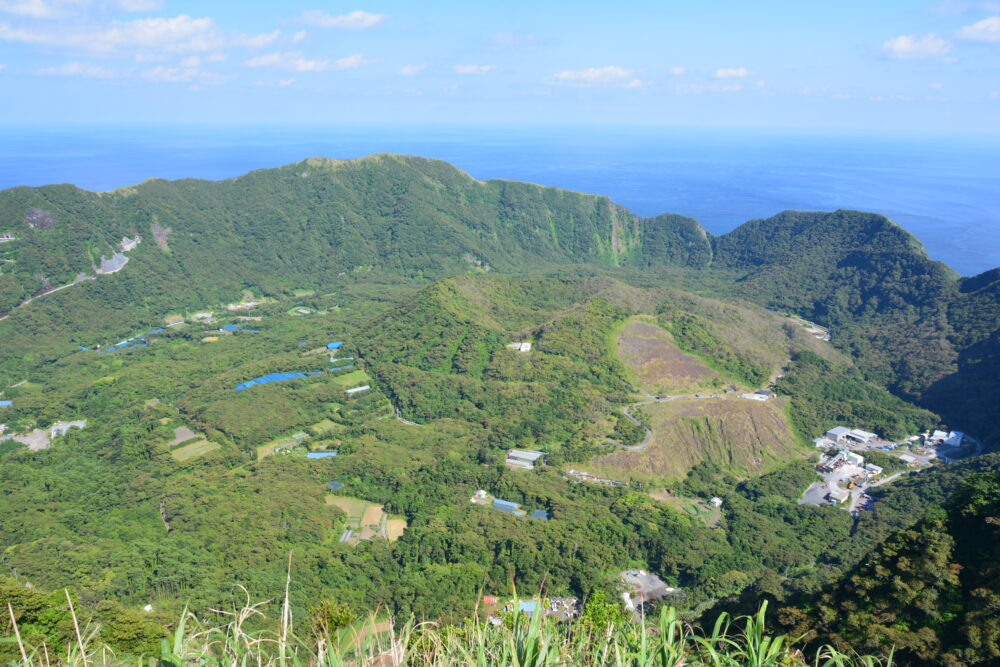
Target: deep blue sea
point(943, 189)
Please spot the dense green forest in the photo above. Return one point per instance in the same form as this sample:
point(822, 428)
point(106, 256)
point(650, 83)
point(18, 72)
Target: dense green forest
point(180, 488)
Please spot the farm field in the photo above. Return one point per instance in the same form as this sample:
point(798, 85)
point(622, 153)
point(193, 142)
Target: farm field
point(741, 435)
point(366, 519)
point(694, 507)
point(182, 434)
point(194, 449)
point(351, 379)
point(656, 364)
point(267, 449)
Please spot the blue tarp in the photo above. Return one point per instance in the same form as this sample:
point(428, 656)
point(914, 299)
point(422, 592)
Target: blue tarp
point(335, 485)
point(251, 330)
point(6, 404)
point(340, 368)
point(541, 514)
point(231, 327)
point(83, 348)
point(320, 455)
point(527, 606)
point(156, 331)
point(334, 345)
point(271, 377)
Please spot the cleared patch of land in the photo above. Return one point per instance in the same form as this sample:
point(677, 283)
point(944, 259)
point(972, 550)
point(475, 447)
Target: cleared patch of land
point(743, 436)
point(395, 528)
point(268, 449)
point(36, 440)
point(367, 520)
point(695, 507)
point(351, 379)
point(354, 508)
point(182, 434)
point(657, 365)
point(324, 427)
point(194, 449)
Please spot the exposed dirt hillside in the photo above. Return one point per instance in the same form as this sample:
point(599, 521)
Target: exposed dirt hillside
point(736, 433)
point(656, 364)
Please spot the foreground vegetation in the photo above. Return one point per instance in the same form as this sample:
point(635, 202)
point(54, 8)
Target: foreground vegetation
point(602, 636)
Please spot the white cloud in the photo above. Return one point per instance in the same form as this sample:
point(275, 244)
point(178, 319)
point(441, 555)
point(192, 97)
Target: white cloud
point(79, 69)
point(731, 73)
point(676, 70)
point(163, 74)
point(995, 95)
point(474, 69)
point(937, 85)
point(296, 62)
point(173, 35)
point(299, 36)
point(3, 66)
point(611, 75)
point(908, 47)
point(356, 20)
point(257, 41)
point(410, 70)
point(40, 9)
point(139, 5)
point(987, 30)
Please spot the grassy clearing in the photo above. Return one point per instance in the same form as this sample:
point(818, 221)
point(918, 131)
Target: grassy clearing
point(268, 449)
point(325, 427)
point(351, 379)
point(395, 528)
point(355, 509)
point(194, 449)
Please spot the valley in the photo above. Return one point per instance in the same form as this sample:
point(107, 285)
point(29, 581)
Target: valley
point(329, 378)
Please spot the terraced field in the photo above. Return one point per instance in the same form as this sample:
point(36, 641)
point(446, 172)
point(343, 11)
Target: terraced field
point(194, 449)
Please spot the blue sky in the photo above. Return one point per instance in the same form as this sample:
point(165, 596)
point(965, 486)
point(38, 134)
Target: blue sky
point(891, 64)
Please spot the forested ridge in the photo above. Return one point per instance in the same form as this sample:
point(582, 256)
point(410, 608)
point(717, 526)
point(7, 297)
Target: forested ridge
point(181, 488)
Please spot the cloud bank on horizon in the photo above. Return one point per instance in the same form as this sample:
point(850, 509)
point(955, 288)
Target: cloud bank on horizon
point(895, 64)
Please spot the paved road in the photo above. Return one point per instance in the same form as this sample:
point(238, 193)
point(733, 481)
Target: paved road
point(51, 291)
point(654, 399)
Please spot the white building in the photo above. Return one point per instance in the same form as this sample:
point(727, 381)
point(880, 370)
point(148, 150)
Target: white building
point(908, 459)
point(873, 470)
point(520, 347)
point(365, 387)
point(520, 458)
point(753, 397)
point(859, 436)
point(856, 459)
point(954, 438)
point(837, 433)
point(716, 501)
point(938, 435)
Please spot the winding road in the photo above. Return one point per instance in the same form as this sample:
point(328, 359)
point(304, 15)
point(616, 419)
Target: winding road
point(653, 399)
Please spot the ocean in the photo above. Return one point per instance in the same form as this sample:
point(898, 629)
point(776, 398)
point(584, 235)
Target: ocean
point(943, 189)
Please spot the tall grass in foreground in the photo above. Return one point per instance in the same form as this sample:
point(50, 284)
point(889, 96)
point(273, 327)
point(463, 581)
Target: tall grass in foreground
point(521, 641)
